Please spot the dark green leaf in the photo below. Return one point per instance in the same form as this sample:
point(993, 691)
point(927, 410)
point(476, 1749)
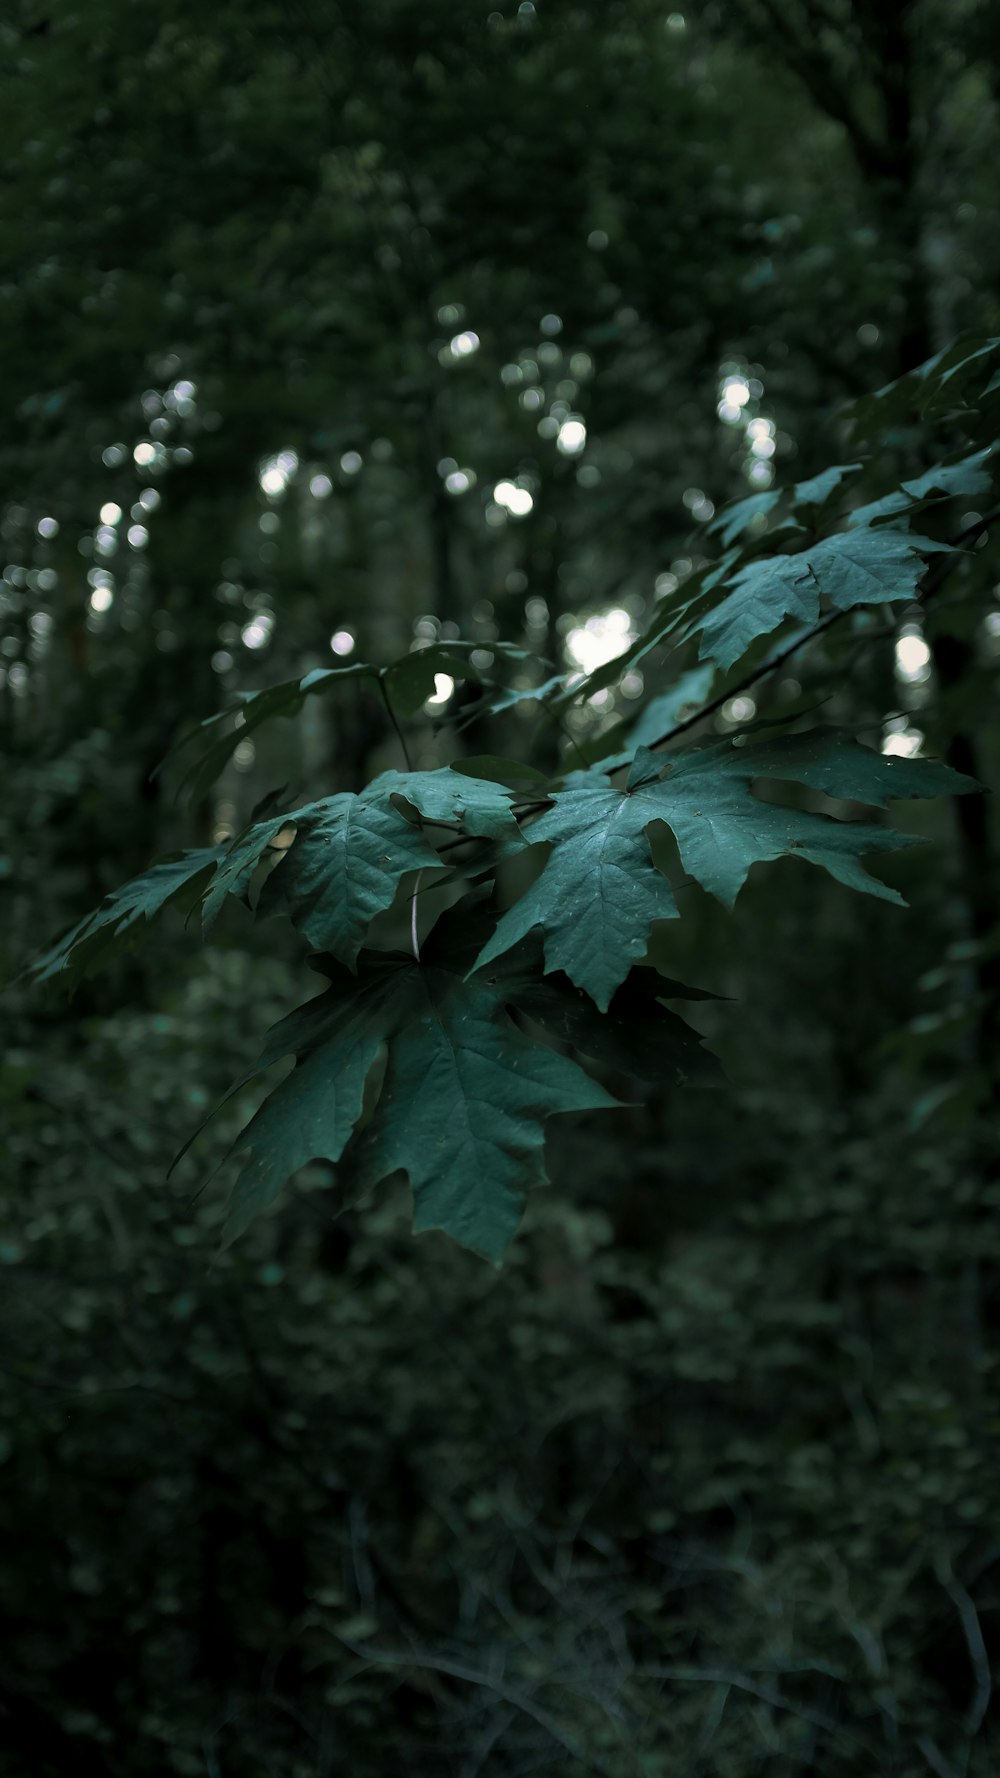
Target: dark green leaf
point(411, 681)
point(966, 476)
point(599, 891)
point(348, 858)
point(817, 490)
point(229, 727)
point(177, 878)
point(739, 515)
point(532, 694)
point(598, 894)
point(511, 772)
point(660, 715)
point(461, 1108)
point(870, 565)
point(637, 1035)
point(480, 805)
point(236, 870)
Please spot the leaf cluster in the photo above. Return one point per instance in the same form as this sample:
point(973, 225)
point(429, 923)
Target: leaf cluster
point(445, 1063)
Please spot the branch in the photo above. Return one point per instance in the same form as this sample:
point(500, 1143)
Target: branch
point(770, 665)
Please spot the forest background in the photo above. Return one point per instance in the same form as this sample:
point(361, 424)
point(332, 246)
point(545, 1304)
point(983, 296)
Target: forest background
point(327, 331)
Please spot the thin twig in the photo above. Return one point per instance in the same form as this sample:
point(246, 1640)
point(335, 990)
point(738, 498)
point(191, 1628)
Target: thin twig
point(409, 766)
point(770, 665)
point(395, 721)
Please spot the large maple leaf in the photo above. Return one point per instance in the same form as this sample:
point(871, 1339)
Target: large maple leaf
point(337, 863)
point(599, 891)
point(342, 867)
point(869, 565)
point(460, 1111)
point(350, 853)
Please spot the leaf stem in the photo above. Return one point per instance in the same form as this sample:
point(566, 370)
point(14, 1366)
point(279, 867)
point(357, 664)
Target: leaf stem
point(395, 721)
point(414, 940)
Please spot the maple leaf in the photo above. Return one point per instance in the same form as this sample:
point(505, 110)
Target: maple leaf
point(461, 1108)
point(406, 684)
point(179, 877)
point(224, 732)
point(236, 869)
point(817, 490)
point(349, 856)
point(338, 863)
point(600, 891)
point(930, 389)
point(638, 1035)
point(341, 859)
point(598, 894)
point(865, 566)
point(480, 805)
point(967, 475)
point(739, 515)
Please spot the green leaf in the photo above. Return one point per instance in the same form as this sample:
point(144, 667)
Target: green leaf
point(739, 515)
point(637, 1035)
point(237, 867)
point(870, 567)
point(660, 715)
point(343, 857)
point(349, 855)
point(598, 894)
point(932, 388)
point(839, 766)
point(669, 613)
point(343, 865)
point(599, 890)
point(966, 476)
point(762, 594)
point(532, 694)
point(480, 805)
point(512, 772)
point(177, 878)
point(888, 507)
point(817, 490)
point(956, 361)
point(311, 1114)
point(461, 1108)
point(411, 681)
point(408, 683)
point(255, 709)
point(866, 566)
point(647, 766)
